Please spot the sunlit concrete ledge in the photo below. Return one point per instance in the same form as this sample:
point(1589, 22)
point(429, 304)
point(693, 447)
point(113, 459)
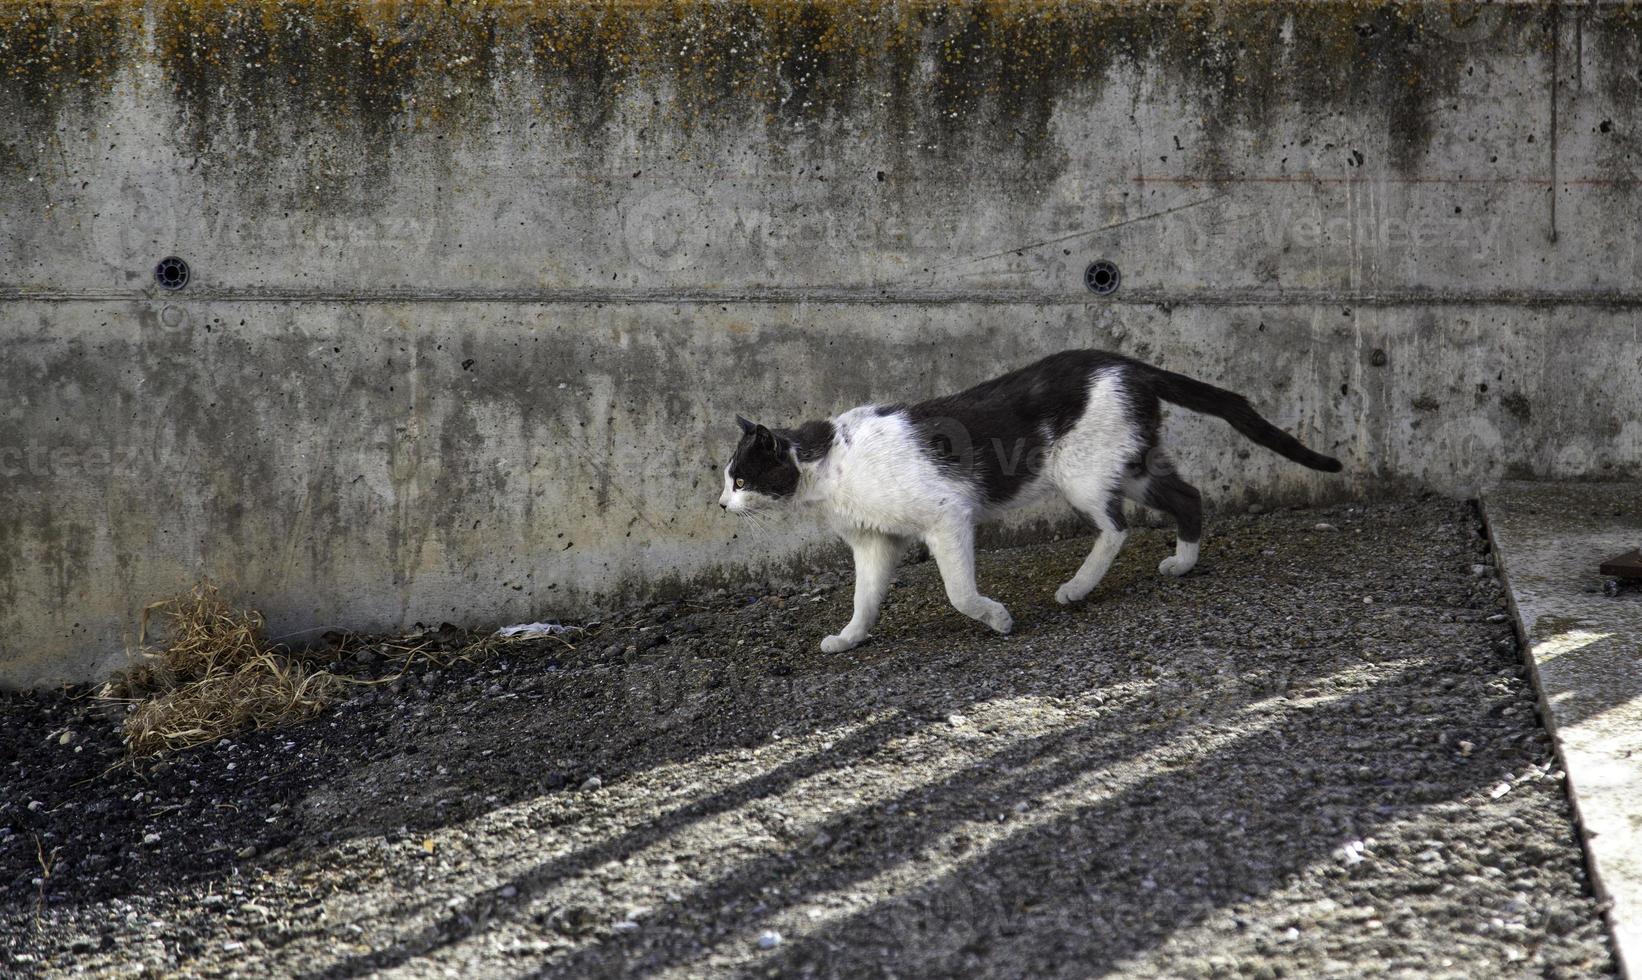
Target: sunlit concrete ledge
point(1585, 652)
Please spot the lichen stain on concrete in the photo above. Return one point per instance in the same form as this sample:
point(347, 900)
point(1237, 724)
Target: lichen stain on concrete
point(54, 57)
point(333, 88)
point(317, 95)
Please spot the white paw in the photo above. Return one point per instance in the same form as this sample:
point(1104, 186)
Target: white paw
point(1069, 593)
point(838, 644)
point(1175, 565)
point(1000, 620)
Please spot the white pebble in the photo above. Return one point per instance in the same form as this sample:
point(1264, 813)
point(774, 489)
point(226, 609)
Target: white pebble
point(769, 939)
point(592, 783)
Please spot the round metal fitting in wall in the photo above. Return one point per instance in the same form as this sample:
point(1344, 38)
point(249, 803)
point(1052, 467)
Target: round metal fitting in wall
point(1102, 277)
point(171, 273)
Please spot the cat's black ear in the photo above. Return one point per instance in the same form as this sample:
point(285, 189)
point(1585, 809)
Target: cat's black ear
point(746, 426)
point(765, 437)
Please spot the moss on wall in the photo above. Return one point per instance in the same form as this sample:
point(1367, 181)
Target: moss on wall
point(337, 86)
point(55, 57)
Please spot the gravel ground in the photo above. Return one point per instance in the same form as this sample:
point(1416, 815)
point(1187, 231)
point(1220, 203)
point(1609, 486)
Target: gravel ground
point(1316, 755)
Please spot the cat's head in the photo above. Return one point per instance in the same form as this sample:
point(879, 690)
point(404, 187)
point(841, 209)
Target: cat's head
point(763, 471)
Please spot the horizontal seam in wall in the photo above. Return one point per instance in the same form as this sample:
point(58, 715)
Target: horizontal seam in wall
point(855, 295)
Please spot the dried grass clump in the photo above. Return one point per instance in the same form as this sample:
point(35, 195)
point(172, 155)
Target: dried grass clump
point(215, 675)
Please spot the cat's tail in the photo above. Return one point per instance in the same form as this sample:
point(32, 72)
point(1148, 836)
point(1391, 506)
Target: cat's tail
point(1193, 394)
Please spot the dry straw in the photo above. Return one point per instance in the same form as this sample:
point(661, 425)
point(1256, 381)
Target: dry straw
point(214, 675)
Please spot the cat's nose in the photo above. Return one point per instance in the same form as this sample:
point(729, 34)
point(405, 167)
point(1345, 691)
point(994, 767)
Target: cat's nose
point(723, 506)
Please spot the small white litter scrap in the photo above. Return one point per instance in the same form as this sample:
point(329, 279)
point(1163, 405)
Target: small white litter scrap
point(1352, 852)
point(526, 631)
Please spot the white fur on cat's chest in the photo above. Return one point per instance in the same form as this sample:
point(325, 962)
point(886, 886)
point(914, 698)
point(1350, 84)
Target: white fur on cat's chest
point(877, 477)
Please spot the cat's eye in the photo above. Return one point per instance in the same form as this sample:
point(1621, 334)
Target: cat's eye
point(740, 483)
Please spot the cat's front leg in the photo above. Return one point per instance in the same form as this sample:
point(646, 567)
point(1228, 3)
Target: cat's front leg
point(875, 558)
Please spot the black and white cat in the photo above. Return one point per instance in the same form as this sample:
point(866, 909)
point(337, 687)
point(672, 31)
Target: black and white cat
point(1083, 423)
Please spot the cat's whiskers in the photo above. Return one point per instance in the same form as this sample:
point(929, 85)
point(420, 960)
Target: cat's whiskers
point(757, 520)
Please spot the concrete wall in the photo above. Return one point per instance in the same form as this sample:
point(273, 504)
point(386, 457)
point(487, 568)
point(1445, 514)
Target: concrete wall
point(478, 286)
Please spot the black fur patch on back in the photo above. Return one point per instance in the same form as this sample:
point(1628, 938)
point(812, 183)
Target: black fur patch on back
point(996, 435)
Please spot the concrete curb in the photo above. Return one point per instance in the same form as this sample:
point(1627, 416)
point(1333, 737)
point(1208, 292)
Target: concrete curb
point(1584, 653)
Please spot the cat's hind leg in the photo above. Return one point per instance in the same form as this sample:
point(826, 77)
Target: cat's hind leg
point(1166, 491)
point(1105, 508)
point(953, 547)
point(876, 556)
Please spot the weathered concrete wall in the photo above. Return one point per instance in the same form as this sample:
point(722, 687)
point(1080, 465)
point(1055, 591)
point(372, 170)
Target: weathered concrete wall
point(477, 286)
